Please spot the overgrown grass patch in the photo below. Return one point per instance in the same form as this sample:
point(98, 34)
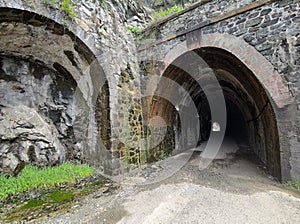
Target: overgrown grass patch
point(169, 11)
point(34, 177)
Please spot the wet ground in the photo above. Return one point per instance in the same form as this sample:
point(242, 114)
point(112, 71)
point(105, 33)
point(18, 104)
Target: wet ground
point(234, 188)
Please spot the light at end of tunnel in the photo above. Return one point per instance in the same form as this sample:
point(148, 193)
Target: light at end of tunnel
point(216, 126)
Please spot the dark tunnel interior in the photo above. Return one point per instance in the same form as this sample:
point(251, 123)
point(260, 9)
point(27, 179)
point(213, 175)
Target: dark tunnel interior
point(236, 125)
point(250, 115)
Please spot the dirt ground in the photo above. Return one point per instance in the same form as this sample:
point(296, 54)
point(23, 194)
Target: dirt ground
point(233, 189)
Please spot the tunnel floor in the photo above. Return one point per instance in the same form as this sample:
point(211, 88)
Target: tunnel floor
point(232, 151)
point(231, 190)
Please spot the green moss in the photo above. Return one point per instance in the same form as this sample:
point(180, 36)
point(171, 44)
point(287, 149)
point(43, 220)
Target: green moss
point(34, 203)
point(61, 196)
point(59, 200)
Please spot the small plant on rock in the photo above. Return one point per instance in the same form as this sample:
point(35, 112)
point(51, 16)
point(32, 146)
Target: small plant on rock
point(169, 11)
point(294, 184)
point(67, 6)
point(134, 29)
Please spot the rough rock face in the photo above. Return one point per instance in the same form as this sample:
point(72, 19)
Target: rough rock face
point(36, 115)
point(43, 64)
point(27, 138)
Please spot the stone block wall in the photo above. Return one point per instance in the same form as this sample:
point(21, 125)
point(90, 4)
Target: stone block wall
point(272, 29)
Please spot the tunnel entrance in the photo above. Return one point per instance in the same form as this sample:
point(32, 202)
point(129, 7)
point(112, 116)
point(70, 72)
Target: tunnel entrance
point(251, 119)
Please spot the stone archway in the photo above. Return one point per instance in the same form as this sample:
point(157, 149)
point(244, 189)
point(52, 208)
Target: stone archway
point(50, 73)
point(253, 91)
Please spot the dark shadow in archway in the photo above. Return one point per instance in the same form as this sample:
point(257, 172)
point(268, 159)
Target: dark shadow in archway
point(251, 119)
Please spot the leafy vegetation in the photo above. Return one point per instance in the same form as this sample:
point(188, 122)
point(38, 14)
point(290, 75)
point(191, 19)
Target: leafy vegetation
point(34, 177)
point(134, 29)
point(294, 184)
point(163, 13)
point(65, 6)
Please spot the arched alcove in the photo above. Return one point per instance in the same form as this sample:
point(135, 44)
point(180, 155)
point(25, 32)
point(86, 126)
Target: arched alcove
point(67, 85)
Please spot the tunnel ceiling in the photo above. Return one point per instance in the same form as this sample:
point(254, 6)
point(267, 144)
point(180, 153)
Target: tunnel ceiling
point(237, 81)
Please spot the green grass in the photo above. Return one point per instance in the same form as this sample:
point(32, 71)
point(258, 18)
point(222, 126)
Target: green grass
point(294, 184)
point(34, 177)
point(169, 11)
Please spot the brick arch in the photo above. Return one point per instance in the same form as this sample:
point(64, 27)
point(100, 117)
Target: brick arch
point(248, 55)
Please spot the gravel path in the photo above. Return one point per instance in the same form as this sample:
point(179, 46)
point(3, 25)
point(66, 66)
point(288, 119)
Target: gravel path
point(231, 190)
point(190, 203)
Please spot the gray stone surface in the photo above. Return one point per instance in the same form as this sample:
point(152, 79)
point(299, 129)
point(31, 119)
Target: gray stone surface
point(38, 110)
point(26, 138)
